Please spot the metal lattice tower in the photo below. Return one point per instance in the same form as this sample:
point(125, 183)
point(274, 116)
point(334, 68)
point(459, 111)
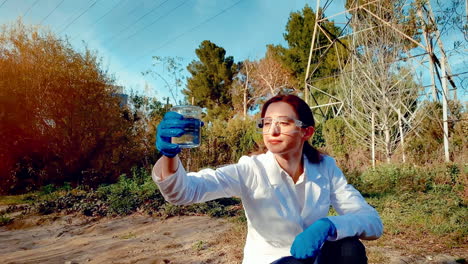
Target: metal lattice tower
point(427, 57)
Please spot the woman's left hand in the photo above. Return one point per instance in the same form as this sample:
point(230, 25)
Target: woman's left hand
point(308, 243)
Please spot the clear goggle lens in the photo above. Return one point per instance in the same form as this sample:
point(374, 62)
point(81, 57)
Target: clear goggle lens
point(284, 124)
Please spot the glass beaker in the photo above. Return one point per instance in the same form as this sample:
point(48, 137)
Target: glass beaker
point(191, 137)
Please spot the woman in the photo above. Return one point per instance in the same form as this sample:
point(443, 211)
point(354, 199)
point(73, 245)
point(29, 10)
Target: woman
point(286, 192)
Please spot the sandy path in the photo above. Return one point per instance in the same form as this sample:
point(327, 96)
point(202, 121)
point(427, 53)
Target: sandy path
point(144, 239)
point(132, 239)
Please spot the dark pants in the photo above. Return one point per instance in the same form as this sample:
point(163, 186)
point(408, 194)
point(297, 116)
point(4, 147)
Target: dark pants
point(348, 250)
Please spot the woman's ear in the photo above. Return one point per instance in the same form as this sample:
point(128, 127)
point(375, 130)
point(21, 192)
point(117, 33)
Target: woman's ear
point(308, 132)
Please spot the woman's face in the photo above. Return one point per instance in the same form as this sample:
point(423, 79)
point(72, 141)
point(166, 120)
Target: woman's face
point(287, 141)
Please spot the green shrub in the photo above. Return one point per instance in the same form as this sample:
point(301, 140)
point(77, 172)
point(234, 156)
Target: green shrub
point(217, 210)
point(86, 203)
point(342, 146)
point(122, 197)
point(452, 171)
point(223, 142)
point(66, 186)
point(415, 215)
point(47, 189)
point(47, 207)
point(128, 194)
point(420, 201)
point(335, 135)
point(123, 202)
point(91, 205)
point(140, 175)
point(318, 139)
point(396, 178)
point(409, 178)
point(354, 178)
point(168, 210)
point(224, 207)
point(5, 219)
point(200, 245)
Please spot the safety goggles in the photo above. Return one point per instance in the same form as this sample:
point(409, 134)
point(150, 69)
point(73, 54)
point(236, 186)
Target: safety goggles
point(287, 125)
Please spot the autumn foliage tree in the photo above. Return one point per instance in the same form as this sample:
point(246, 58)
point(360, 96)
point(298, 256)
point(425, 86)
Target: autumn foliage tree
point(258, 80)
point(60, 118)
point(271, 76)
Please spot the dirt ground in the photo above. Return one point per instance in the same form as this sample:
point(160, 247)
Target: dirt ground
point(133, 239)
point(140, 238)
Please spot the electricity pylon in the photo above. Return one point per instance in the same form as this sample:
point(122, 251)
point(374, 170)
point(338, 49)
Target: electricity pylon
point(428, 53)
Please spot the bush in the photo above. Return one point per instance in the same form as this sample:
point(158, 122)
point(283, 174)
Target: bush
point(224, 207)
point(318, 139)
point(343, 147)
point(433, 215)
point(402, 178)
point(128, 194)
point(123, 202)
point(413, 201)
point(75, 130)
point(47, 189)
point(223, 142)
point(122, 197)
point(424, 145)
point(396, 178)
point(5, 219)
point(86, 203)
point(458, 140)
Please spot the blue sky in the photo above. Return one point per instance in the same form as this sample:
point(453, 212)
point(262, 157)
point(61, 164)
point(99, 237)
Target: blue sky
point(127, 33)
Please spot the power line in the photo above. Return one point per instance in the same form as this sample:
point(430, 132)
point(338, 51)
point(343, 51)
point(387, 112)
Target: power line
point(3, 3)
point(53, 10)
point(197, 26)
point(140, 18)
point(107, 13)
point(86, 10)
point(30, 8)
point(188, 31)
point(154, 21)
point(100, 18)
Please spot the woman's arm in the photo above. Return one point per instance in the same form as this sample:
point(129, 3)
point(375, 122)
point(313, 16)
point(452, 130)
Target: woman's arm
point(179, 187)
point(356, 216)
point(168, 166)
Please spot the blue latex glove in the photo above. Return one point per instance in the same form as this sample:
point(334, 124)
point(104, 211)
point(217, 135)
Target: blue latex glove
point(172, 125)
point(308, 243)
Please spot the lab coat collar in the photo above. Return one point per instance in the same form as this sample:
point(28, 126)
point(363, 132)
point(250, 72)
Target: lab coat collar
point(313, 179)
point(274, 172)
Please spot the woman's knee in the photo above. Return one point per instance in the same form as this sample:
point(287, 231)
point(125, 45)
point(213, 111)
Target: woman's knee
point(292, 260)
point(352, 246)
point(346, 250)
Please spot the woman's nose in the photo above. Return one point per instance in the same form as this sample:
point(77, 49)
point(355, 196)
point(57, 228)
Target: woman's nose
point(275, 129)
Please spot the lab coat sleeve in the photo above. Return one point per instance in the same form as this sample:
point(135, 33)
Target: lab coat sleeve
point(183, 188)
point(356, 217)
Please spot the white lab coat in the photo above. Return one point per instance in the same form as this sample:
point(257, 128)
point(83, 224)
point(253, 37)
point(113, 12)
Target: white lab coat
point(273, 208)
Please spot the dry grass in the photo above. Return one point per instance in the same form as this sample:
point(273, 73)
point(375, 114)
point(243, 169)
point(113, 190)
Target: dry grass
point(387, 249)
point(234, 238)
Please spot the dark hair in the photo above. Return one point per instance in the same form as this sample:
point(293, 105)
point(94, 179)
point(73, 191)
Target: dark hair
point(304, 114)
